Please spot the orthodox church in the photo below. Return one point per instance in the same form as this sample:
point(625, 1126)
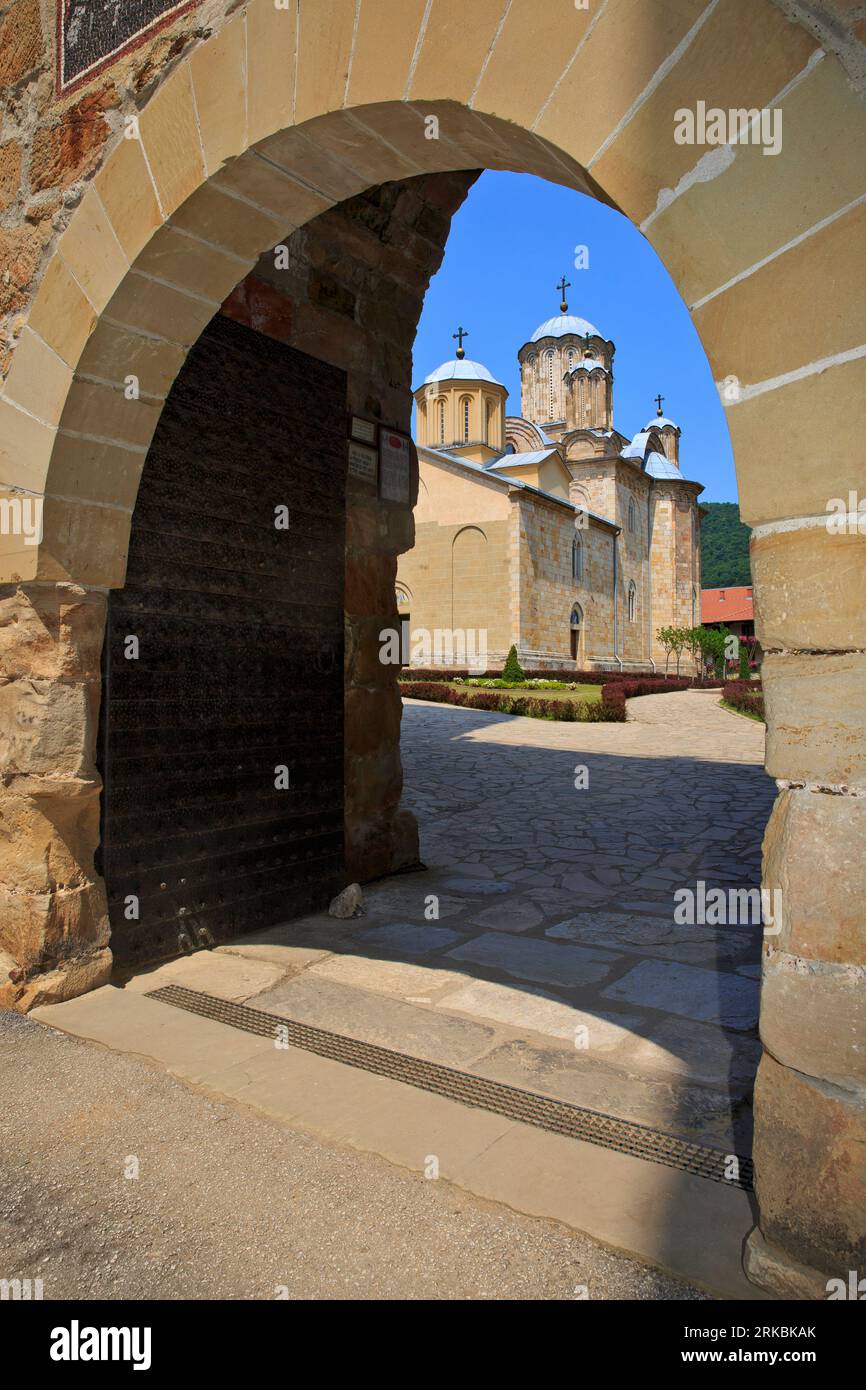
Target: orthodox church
point(549, 530)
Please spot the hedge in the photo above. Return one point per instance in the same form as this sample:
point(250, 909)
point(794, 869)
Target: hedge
point(745, 696)
point(503, 702)
point(413, 673)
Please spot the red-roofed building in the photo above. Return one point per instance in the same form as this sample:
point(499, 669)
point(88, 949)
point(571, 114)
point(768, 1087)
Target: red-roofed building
point(731, 608)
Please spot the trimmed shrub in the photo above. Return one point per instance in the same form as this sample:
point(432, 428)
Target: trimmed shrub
point(630, 689)
point(565, 677)
point(745, 696)
point(513, 671)
point(501, 702)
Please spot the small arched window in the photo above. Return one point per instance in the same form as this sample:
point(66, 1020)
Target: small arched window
point(574, 632)
point(551, 391)
point(632, 516)
point(465, 419)
point(577, 560)
point(694, 607)
point(632, 600)
point(441, 422)
point(571, 359)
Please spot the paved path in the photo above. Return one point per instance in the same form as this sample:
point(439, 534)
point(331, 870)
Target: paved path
point(539, 947)
point(228, 1205)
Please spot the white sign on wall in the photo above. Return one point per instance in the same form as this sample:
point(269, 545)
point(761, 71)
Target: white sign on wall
point(395, 466)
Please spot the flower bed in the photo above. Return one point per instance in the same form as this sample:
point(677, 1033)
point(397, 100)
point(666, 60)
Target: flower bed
point(746, 697)
point(504, 702)
point(563, 677)
point(611, 708)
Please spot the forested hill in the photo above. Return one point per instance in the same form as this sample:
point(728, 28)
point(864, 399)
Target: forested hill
point(724, 547)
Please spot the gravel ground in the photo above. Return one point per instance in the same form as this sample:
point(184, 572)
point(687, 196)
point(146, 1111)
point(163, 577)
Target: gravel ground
point(229, 1205)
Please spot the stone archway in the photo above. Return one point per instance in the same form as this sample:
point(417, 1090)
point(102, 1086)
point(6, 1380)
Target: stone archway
point(269, 117)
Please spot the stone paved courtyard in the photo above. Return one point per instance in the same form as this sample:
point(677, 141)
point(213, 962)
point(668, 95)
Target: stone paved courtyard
point(554, 963)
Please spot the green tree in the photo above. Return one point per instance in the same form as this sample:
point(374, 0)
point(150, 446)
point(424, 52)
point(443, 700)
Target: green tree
point(712, 645)
point(665, 636)
point(724, 547)
point(513, 670)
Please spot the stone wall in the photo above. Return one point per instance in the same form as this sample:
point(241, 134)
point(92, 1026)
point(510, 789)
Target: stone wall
point(811, 1091)
point(457, 573)
point(348, 288)
point(676, 562)
point(54, 926)
point(548, 591)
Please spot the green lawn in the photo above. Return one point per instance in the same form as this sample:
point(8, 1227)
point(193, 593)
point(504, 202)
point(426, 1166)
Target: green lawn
point(583, 692)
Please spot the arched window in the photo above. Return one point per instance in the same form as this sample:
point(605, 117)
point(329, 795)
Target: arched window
point(632, 516)
point(570, 359)
point(574, 626)
point(551, 391)
point(632, 600)
point(694, 607)
point(577, 559)
point(441, 422)
point(490, 416)
point(465, 419)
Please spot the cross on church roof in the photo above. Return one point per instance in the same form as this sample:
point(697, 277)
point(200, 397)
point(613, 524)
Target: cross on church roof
point(562, 287)
point(658, 401)
point(587, 345)
point(460, 335)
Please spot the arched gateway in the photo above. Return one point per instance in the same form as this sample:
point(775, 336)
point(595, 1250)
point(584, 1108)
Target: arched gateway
point(210, 144)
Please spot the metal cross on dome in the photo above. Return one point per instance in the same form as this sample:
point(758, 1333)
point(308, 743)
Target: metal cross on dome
point(658, 401)
point(562, 287)
point(460, 335)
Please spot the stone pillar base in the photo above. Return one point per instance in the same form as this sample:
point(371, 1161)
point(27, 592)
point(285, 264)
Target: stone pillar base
point(376, 847)
point(66, 981)
point(771, 1269)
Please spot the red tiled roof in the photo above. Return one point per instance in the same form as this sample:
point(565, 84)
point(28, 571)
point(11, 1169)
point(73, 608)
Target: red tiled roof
point(721, 605)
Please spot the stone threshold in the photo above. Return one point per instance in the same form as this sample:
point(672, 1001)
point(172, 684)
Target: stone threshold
point(693, 1228)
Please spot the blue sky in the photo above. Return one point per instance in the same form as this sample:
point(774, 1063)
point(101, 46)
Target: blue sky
point(512, 240)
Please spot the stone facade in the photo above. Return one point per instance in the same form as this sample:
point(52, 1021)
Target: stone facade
point(135, 203)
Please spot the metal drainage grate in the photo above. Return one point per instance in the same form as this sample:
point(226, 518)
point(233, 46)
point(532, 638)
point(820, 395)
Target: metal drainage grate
point(544, 1112)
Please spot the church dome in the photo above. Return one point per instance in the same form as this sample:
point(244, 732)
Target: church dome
point(660, 467)
point(562, 325)
point(658, 422)
point(456, 370)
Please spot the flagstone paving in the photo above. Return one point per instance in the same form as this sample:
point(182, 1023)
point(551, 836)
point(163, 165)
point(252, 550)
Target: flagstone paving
point(539, 944)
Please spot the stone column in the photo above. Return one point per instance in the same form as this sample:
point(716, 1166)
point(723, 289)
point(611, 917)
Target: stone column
point(54, 925)
point(810, 1098)
point(379, 837)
